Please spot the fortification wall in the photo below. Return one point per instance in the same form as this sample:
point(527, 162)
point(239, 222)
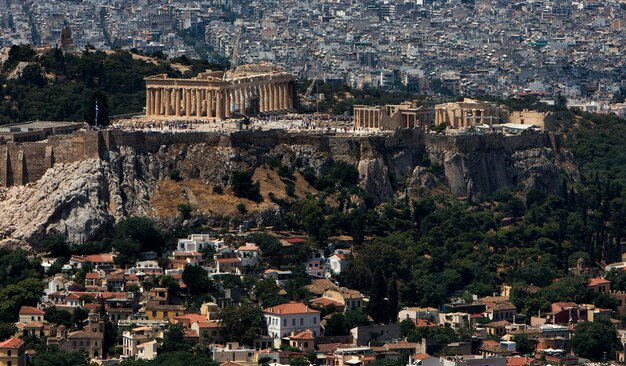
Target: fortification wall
point(21, 163)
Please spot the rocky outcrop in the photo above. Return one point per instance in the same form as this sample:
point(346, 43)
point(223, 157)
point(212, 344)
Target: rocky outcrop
point(83, 199)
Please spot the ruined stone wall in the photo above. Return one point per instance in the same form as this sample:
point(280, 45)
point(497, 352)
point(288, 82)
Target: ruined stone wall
point(22, 163)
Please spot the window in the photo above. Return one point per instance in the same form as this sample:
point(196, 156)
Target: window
point(301, 321)
point(9, 353)
point(9, 363)
point(293, 322)
point(284, 322)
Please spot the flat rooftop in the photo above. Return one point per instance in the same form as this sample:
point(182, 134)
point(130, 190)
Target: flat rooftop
point(37, 125)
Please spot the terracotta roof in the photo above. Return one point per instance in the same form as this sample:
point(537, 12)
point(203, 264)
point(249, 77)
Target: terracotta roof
point(290, 308)
point(229, 363)
point(100, 258)
point(518, 361)
point(498, 324)
point(304, 335)
point(12, 342)
point(82, 334)
point(228, 260)
point(324, 301)
point(500, 306)
point(598, 281)
point(92, 276)
point(424, 323)
point(206, 324)
point(191, 318)
point(318, 286)
point(29, 310)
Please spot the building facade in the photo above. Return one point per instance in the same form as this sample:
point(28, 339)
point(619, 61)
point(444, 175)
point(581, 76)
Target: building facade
point(470, 113)
point(217, 95)
point(392, 116)
point(286, 319)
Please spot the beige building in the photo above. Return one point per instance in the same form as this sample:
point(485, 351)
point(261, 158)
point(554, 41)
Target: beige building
point(216, 95)
point(12, 352)
point(470, 113)
point(139, 343)
point(88, 340)
point(527, 117)
point(392, 116)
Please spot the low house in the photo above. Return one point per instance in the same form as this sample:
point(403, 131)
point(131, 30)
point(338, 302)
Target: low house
point(29, 314)
point(249, 255)
point(228, 265)
point(362, 335)
point(139, 343)
point(599, 285)
point(163, 312)
point(501, 310)
point(338, 262)
point(304, 340)
point(431, 314)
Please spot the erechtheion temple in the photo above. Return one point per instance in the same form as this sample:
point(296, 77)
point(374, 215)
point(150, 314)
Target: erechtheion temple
point(216, 95)
point(392, 116)
point(470, 113)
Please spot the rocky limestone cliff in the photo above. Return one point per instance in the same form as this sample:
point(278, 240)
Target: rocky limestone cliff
point(83, 199)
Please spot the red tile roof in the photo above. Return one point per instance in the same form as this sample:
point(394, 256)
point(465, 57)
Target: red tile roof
point(100, 258)
point(290, 308)
point(12, 342)
point(598, 281)
point(228, 260)
point(29, 310)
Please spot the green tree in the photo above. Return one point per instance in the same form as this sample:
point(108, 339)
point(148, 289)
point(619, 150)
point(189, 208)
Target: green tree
point(392, 295)
point(197, 280)
point(336, 325)
point(7, 330)
point(174, 339)
point(378, 304)
point(524, 346)
point(243, 323)
point(244, 187)
point(593, 339)
point(98, 108)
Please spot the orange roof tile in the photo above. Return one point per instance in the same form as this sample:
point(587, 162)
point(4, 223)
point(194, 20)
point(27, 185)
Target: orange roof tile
point(29, 310)
point(12, 342)
point(290, 308)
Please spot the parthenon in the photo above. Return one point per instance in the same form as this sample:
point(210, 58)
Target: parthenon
point(217, 95)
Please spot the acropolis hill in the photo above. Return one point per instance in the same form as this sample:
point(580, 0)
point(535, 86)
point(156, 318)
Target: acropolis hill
point(80, 184)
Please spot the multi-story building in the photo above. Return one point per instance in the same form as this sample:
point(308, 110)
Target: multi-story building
point(294, 317)
point(12, 352)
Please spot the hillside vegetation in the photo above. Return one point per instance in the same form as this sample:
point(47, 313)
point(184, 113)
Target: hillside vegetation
point(52, 85)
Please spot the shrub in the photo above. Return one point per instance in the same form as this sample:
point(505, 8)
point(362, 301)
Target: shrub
point(175, 175)
point(242, 208)
point(243, 186)
point(218, 189)
point(185, 210)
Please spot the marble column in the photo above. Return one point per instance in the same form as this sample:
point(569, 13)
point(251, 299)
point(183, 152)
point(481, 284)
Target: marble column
point(210, 107)
point(219, 104)
point(168, 101)
point(227, 101)
point(148, 101)
point(198, 109)
point(187, 103)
